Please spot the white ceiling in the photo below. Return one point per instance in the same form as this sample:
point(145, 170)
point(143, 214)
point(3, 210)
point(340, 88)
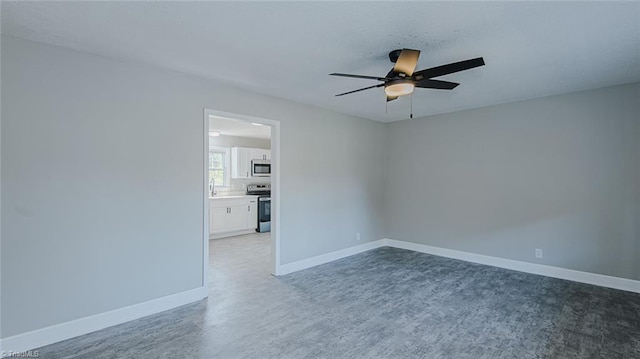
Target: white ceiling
point(287, 49)
point(232, 127)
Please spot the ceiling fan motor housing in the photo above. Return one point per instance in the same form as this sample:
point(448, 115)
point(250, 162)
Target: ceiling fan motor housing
point(393, 55)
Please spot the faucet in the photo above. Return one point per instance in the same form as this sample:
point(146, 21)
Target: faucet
point(212, 188)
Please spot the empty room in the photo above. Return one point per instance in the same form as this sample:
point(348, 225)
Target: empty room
point(320, 179)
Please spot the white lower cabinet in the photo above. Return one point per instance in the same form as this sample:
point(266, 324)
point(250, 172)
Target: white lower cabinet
point(232, 214)
point(217, 218)
point(237, 217)
point(252, 219)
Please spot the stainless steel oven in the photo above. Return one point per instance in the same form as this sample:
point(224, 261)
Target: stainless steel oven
point(260, 168)
point(263, 191)
point(264, 214)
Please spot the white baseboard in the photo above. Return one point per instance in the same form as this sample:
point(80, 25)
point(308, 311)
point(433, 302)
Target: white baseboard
point(74, 328)
point(533, 268)
point(329, 257)
point(540, 269)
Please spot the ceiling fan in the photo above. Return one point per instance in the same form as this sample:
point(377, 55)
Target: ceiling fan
point(402, 79)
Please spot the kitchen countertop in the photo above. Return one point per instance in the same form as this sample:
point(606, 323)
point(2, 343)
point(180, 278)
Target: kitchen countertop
point(233, 196)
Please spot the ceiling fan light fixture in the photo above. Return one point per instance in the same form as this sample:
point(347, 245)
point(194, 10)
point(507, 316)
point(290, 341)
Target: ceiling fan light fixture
point(399, 87)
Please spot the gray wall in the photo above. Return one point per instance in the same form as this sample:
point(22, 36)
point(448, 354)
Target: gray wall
point(1, 335)
point(97, 215)
point(560, 173)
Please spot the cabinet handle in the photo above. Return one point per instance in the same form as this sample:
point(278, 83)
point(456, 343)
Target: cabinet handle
point(247, 174)
point(248, 208)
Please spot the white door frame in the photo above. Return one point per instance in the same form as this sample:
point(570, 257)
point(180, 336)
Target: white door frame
point(275, 189)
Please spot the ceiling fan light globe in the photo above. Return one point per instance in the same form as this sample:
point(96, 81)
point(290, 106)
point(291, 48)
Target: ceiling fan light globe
point(399, 88)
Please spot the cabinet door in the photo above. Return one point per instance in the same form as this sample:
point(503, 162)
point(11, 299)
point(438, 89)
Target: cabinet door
point(260, 154)
point(217, 219)
point(252, 216)
point(256, 154)
point(240, 162)
point(235, 153)
point(237, 217)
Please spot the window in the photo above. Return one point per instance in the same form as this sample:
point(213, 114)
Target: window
point(219, 166)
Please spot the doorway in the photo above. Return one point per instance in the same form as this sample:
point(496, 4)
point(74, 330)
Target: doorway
point(234, 178)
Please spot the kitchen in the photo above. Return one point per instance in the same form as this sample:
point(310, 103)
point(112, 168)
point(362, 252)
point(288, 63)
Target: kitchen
point(239, 168)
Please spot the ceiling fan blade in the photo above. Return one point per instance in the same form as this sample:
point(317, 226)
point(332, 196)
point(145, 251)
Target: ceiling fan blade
point(362, 89)
point(407, 61)
point(448, 68)
point(436, 84)
point(358, 76)
point(391, 98)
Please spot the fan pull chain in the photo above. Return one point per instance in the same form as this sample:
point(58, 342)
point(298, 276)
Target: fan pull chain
point(411, 115)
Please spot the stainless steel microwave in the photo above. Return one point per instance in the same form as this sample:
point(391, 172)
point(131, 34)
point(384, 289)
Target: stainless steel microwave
point(260, 168)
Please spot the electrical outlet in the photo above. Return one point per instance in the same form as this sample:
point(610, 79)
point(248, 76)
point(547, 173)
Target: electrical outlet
point(358, 236)
point(538, 253)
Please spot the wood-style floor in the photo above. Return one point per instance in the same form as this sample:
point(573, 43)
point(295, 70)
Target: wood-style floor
point(385, 303)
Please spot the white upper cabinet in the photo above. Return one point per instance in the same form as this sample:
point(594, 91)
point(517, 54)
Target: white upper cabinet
point(241, 158)
point(241, 162)
point(261, 154)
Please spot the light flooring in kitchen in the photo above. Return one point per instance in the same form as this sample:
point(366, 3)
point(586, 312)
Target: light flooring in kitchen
point(384, 303)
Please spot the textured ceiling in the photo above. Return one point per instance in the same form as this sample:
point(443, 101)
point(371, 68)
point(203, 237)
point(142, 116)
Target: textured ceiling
point(286, 49)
